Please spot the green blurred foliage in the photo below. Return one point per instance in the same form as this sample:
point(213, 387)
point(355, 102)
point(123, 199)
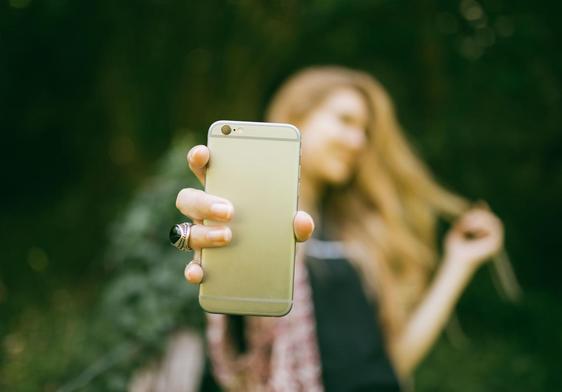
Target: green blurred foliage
point(93, 95)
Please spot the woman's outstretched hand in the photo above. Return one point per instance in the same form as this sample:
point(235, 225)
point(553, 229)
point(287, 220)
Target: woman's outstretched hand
point(474, 238)
point(199, 205)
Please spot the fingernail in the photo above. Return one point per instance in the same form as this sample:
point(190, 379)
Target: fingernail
point(217, 235)
point(222, 210)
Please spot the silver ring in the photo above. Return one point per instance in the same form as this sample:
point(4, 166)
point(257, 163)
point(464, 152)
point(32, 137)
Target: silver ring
point(179, 236)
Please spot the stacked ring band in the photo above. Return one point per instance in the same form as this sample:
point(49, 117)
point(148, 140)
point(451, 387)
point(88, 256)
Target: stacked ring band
point(179, 236)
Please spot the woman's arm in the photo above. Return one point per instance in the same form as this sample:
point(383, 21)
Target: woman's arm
point(426, 323)
point(473, 239)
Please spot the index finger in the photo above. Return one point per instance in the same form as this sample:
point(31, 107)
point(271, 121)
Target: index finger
point(197, 159)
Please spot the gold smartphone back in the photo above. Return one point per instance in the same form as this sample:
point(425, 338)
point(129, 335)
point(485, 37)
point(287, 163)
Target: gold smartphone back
point(256, 166)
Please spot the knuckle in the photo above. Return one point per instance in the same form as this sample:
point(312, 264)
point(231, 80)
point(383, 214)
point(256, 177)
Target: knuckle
point(193, 195)
point(185, 198)
point(195, 237)
point(180, 198)
point(201, 200)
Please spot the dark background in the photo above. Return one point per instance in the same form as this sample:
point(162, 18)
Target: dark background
point(93, 95)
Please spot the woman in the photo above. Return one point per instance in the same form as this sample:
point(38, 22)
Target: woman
point(376, 207)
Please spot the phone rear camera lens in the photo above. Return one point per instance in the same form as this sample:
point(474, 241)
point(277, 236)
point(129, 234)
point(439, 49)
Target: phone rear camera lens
point(226, 129)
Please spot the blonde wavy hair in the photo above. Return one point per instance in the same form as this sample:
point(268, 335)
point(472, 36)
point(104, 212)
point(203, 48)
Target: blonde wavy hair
point(387, 215)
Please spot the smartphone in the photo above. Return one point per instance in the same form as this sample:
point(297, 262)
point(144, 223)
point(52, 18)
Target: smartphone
point(256, 166)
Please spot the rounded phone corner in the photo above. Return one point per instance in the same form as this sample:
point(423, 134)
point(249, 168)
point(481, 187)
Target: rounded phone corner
point(296, 130)
point(213, 125)
point(205, 306)
point(286, 311)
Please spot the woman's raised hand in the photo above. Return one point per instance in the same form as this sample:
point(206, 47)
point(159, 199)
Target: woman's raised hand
point(199, 205)
point(475, 237)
